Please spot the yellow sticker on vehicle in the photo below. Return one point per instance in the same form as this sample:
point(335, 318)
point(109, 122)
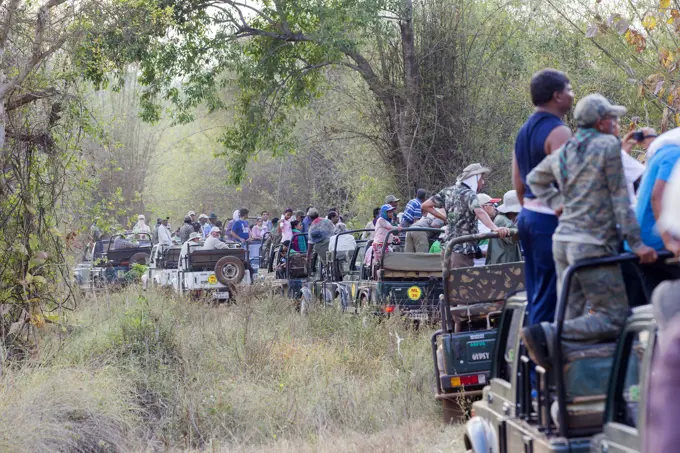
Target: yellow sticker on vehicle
point(414, 292)
point(354, 290)
point(212, 280)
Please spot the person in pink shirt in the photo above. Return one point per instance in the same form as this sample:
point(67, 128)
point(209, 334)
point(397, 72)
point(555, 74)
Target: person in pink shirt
point(284, 225)
point(383, 225)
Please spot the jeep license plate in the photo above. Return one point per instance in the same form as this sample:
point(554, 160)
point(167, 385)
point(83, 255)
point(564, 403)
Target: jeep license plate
point(222, 295)
point(417, 315)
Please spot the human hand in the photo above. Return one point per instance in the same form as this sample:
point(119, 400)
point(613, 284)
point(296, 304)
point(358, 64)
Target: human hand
point(646, 254)
point(627, 142)
point(558, 211)
point(502, 232)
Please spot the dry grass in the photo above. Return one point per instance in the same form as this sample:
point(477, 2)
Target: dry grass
point(152, 372)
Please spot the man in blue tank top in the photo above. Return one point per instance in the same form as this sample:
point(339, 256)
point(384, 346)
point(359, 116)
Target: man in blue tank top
point(542, 134)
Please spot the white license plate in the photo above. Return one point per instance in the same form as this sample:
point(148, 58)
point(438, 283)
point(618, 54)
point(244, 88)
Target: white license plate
point(222, 295)
point(419, 315)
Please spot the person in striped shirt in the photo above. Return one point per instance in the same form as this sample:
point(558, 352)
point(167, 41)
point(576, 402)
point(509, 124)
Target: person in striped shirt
point(413, 211)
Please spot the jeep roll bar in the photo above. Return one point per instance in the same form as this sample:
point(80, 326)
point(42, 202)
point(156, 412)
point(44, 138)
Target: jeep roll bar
point(124, 236)
point(558, 359)
point(335, 248)
point(447, 321)
point(404, 230)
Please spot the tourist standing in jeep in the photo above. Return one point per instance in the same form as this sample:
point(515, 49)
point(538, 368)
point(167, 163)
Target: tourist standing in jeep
point(593, 198)
point(462, 211)
point(543, 133)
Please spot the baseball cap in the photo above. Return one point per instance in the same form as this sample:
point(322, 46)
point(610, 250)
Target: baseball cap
point(215, 229)
point(190, 213)
point(213, 215)
point(388, 207)
point(595, 107)
point(193, 236)
point(202, 216)
point(483, 199)
point(391, 199)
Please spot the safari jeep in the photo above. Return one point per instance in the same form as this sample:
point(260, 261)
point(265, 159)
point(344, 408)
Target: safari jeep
point(462, 350)
point(163, 263)
point(112, 267)
point(407, 282)
point(215, 272)
point(592, 384)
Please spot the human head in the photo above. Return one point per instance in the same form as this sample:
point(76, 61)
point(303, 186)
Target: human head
point(595, 111)
point(299, 215)
point(333, 217)
point(243, 213)
point(141, 218)
point(486, 203)
point(259, 221)
point(340, 228)
point(387, 211)
point(649, 135)
point(195, 237)
point(313, 213)
point(551, 89)
point(294, 224)
point(187, 219)
point(376, 212)
point(192, 215)
point(510, 206)
point(392, 200)
point(474, 177)
point(215, 232)
point(284, 245)
point(159, 221)
point(265, 215)
point(165, 221)
point(421, 194)
point(288, 213)
point(212, 218)
point(202, 219)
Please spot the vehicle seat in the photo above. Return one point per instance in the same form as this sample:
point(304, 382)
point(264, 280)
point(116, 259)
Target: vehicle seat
point(411, 265)
point(586, 377)
point(484, 284)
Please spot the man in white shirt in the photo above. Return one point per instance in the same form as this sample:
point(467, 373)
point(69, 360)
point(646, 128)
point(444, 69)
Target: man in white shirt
point(194, 241)
point(164, 236)
point(213, 242)
point(141, 226)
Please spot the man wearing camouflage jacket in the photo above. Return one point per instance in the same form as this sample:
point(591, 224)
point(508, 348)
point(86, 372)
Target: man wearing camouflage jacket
point(592, 195)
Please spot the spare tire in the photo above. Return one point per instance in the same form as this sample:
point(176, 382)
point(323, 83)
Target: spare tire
point(139, 258)
point(229, 270)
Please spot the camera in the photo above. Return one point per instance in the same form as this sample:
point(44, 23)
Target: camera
point(638, 136)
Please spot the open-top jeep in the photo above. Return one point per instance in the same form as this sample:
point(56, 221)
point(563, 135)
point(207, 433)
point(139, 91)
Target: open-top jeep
point(85, 274)
point(408, 282)
point(216, 272)
point(530, 409)
point(113, 267)
point(462, 350)
point(163, 265)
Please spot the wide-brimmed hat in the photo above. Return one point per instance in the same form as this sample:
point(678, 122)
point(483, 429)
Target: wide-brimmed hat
point(391, 199)
point(510, 203)
point(193, 236)
point(190, 213)
point(202, 216)
point(472, 170)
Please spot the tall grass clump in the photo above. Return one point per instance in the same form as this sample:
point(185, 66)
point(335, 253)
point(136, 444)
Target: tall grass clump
point(155, 372)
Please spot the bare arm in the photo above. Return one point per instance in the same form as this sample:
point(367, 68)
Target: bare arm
point(657, 197)
point(429, 208)
point(486, 220)
point(517, 182)
point(556, 139)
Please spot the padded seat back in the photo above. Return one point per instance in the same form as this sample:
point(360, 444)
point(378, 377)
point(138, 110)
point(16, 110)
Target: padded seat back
point(297, 265)
point(484, 284)
point(207, 259)
point(171, 257)
point(587, 368)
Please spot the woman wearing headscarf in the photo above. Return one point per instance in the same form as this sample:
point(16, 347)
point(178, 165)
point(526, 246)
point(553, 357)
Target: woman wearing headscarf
point(141, 226)
point(383, 225)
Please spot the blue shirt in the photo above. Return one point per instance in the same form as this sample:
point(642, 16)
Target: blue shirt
point(206, 229)
point(241, 229)
point(412, 212)
point(530, 144)
point(305, 224)
point(659, 167)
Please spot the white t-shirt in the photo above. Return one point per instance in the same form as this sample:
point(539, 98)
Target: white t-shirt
point(632, 169)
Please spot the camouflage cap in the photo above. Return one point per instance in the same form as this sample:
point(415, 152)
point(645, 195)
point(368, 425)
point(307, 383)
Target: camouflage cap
point(472, 170)
point(595, 107)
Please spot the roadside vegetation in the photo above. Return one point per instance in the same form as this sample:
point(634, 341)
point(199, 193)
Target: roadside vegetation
point(147, 371)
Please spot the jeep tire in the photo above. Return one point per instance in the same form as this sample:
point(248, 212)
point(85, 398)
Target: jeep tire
point(140, 258)
point(230, 270)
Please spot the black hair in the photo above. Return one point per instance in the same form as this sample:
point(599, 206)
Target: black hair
point(294, 223)
point(264, 212)
point(545, 83)
point(332, 215)
point(286, 243)
point(187, 219)
point(421, 194)
point(218, 224)
point(242, 212)
point(275, 220)
point(376, 211)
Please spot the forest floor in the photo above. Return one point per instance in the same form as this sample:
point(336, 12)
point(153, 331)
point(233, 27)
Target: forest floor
point(146, 371)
